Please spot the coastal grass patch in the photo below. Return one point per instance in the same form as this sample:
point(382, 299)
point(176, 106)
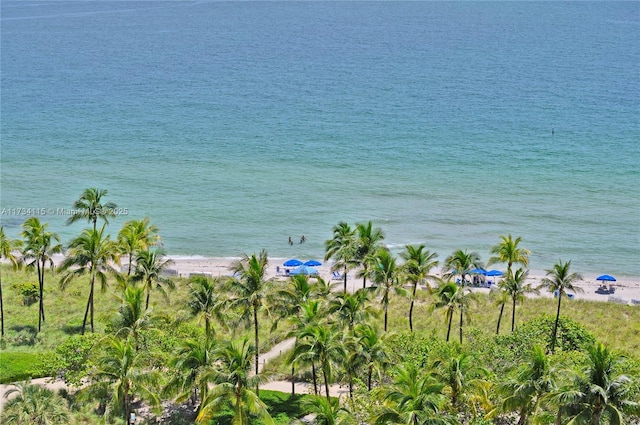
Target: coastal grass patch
point(19, 366)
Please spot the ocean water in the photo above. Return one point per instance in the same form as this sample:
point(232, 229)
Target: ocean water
point(234, 125)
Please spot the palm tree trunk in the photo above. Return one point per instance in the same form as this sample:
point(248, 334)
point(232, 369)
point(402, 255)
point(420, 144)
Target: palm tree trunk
point(1, 307)
point(91, 301)
point(41, 293)
point(513, 315)
point(315, 377)
point(146, 307)
point(364, 278)
point(499, 319)
point(369, 377)
point(293, 379)
point(86, 312)
point(461, 311)
point(449, 327)
point(344, 276)
point(257, 356)
point(386, 314)
point(555, 327)
point(130, 259)
point(326, 380)
point(413, 297)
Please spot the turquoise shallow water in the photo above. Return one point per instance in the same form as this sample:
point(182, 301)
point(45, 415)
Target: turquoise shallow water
point(235, 125)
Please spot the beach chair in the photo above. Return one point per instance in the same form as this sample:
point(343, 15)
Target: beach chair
point(336, 276)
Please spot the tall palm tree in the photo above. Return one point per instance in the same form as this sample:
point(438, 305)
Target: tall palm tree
point(525, 392)
point(311, 314)
point(150, 266)
point(507, 251)
point(446, 298)
point(89, 207)
point(460, 263)
point(287, 301)
point(414, 398)
point(418, 263)
point(599, 391)
point(137, 236)
point(324, 343)
point(232, 382)
point(204, 301)
point(39, 246)
point(248, 291)
point(192, 361)
point(94, 254)
point(500, 297)
point(385, 273)
point(559, 280)
point(342, 249)
point(7, 248)
point(121, 373)
point(373, 350)
point(34, 405)
point(368, 241)
point(515, 286)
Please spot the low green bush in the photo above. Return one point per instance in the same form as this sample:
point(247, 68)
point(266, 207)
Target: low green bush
point(16, 366)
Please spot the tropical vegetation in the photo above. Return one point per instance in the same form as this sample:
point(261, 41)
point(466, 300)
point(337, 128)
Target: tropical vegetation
point(195, 356)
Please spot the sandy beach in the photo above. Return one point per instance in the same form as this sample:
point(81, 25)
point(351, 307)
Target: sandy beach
point(626, 289)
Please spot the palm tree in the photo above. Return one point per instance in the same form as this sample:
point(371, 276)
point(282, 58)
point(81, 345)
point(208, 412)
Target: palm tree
point(559, 281)
point(34, 405)
point(515, 286)
point(418, 263)
point(191, 361)
point(89, 207)
point(600, 392)
point(460, 263)
point(120, 372)
point(132, 317)
point(446, 294)
point(507, 251)
point(309, 316)
point(533, 381)
point(39, 246)
point(341, 248)
point(456, 373)
point(232, 382)
point(150, 266)
point(351, 308)
point(414, 398)
point(137, 236)
point(7, 248)
point(287, 301)
point(94, 254)
point(323, 343)
point(368, 241)
point(204, 301)
point(385, 274)
point(373, 350)
point(248, 291)
point(327, 412)
point(500, 299)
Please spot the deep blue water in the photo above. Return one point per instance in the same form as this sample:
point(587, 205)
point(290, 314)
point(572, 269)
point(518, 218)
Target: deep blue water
point(236, 124)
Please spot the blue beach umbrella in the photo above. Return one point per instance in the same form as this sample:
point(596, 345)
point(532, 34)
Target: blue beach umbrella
point(493, 273)
point(478, 270)
point(306, 270)
point(294, 262)
point(606, 278)
point(313, 263)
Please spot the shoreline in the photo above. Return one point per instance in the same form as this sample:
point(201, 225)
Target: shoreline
point(627, 288)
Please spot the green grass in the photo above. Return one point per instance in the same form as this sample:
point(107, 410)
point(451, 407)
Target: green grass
point(17, 366)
